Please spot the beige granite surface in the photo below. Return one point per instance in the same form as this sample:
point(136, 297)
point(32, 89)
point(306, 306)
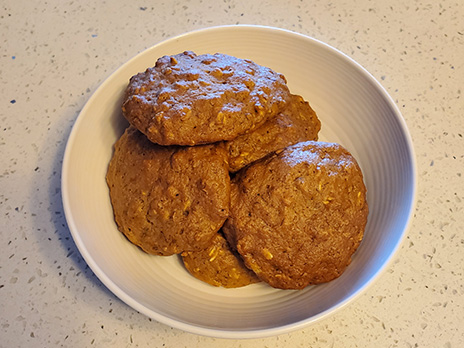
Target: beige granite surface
point(54, 54)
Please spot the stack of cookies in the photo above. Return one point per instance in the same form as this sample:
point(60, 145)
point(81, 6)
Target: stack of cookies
point(221, 165)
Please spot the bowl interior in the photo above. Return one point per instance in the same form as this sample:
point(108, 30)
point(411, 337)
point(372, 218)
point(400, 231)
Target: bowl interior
point(354, 110)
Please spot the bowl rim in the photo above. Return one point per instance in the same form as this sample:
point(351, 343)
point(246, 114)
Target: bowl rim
point(224, 333)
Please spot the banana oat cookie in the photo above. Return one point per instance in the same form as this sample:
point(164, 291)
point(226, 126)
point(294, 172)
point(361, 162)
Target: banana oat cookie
point(297, 217)
point(218, 265)
point(297, 122)
point(168, 199)
point(189, 99)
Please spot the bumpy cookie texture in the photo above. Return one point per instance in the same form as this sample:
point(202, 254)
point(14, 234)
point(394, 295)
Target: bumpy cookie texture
point(297, 122)
point(219, 265)
point(168, 199)
point(298, 216)
point(189, 99)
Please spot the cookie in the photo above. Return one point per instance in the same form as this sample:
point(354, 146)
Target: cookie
point(168, 199)
point(297, 122)
point(189, 99)
point(219, 265)
point(297, 217)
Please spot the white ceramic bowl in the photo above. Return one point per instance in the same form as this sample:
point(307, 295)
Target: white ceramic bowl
point(355, 111)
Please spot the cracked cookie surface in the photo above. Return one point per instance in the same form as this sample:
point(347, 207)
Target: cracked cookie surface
point(219, 265)
point(189, 99)
point(297, 217)
point(297, 122)
point(168, 199)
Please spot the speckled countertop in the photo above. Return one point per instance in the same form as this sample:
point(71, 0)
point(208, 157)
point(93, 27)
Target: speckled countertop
point(54, 54)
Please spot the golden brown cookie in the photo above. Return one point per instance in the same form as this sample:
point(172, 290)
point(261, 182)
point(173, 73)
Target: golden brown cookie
point(218, 265)
point(298, 216)
point(189, 99)
point(297, 122)
point(168, 199)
